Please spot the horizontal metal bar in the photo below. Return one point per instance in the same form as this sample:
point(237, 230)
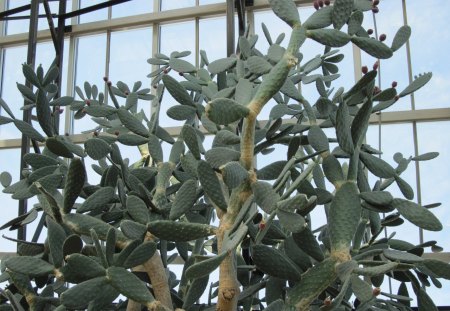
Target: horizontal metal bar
point(423, 115)
point(92, 8)
point(141, 20)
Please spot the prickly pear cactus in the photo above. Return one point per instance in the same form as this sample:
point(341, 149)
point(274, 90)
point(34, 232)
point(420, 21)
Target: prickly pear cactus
point(212, 209)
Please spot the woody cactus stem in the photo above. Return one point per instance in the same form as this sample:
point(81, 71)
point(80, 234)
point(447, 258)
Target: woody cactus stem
point(228, 284)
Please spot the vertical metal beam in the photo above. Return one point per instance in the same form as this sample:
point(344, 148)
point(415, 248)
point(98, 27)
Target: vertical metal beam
point(31, 56)
point(230, 27)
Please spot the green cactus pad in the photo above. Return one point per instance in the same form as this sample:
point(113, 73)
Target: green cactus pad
point(342, 9)
point(418, 215)
point(129, 139)
point(76, 177)
point(319, 19)
point(355, 22)
point(80, 268)
point(225, 111)
point(28, 130)
point(286, 10)
point(190, 138)
point(377, 166)
point(31, 266)
point(205, 267)
point(80, 295)
point(184, 199)
point(181, 65)
point(332, 169)
point(377, 197)
point(181, 112)
point(274, 263)
point(362, 289)
point(401, 37)
point(343, 132)
point(56, 238)
point(177, 91)
point(219, 156)
point(344, 215)
point(418, 82)
point(373, 47)
point(140, 255)
point(307, 242)
point(265, 196)
point(329, 37)
point(57, 146)
point(179, 231)
point(132, 123)
point(440, 268)
point(258, 65)
point(97, 200)
point(129, 285)
point(376, 270)
point(97, 148)
point(313, 282)
point(137, 209)
point(211, 185)
point(221, 65)
point(360, 123)
point(234, 174)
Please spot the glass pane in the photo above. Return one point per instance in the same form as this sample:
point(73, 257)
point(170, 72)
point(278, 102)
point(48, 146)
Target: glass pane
point(94, 16)
point(388, 21)
point(10, 206)
point(128, 58)
point(396, 138)
point(210, 30)
point(171, 5)
point(90, 67)
point(434, 175)
point(132, 8)
point(14, 57)
point(175, 37)
point(20, 25)
point(203, 2)
point(427, 43)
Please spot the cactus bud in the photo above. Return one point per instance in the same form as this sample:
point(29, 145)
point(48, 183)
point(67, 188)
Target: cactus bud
point(376, 65)
point(327, 2)
point(382, 37)
point(262, 225)
point(375, 2)
point(327, 301)
point(376, 291)
point(165, 71)
point(316, 5)
point(257, 218)
point(116, 133)
point(88, 102)
point(127, 93)
point(369, 31)
point(109, 83)
point(95, 133)
point(321, 3)
point(181, 73)
point(375, 10)
point(105, 78)
point(60, 110)
point(364, 69)
point(394, 84)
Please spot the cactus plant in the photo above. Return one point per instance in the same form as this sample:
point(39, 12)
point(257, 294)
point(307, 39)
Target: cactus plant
point(114, 238)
